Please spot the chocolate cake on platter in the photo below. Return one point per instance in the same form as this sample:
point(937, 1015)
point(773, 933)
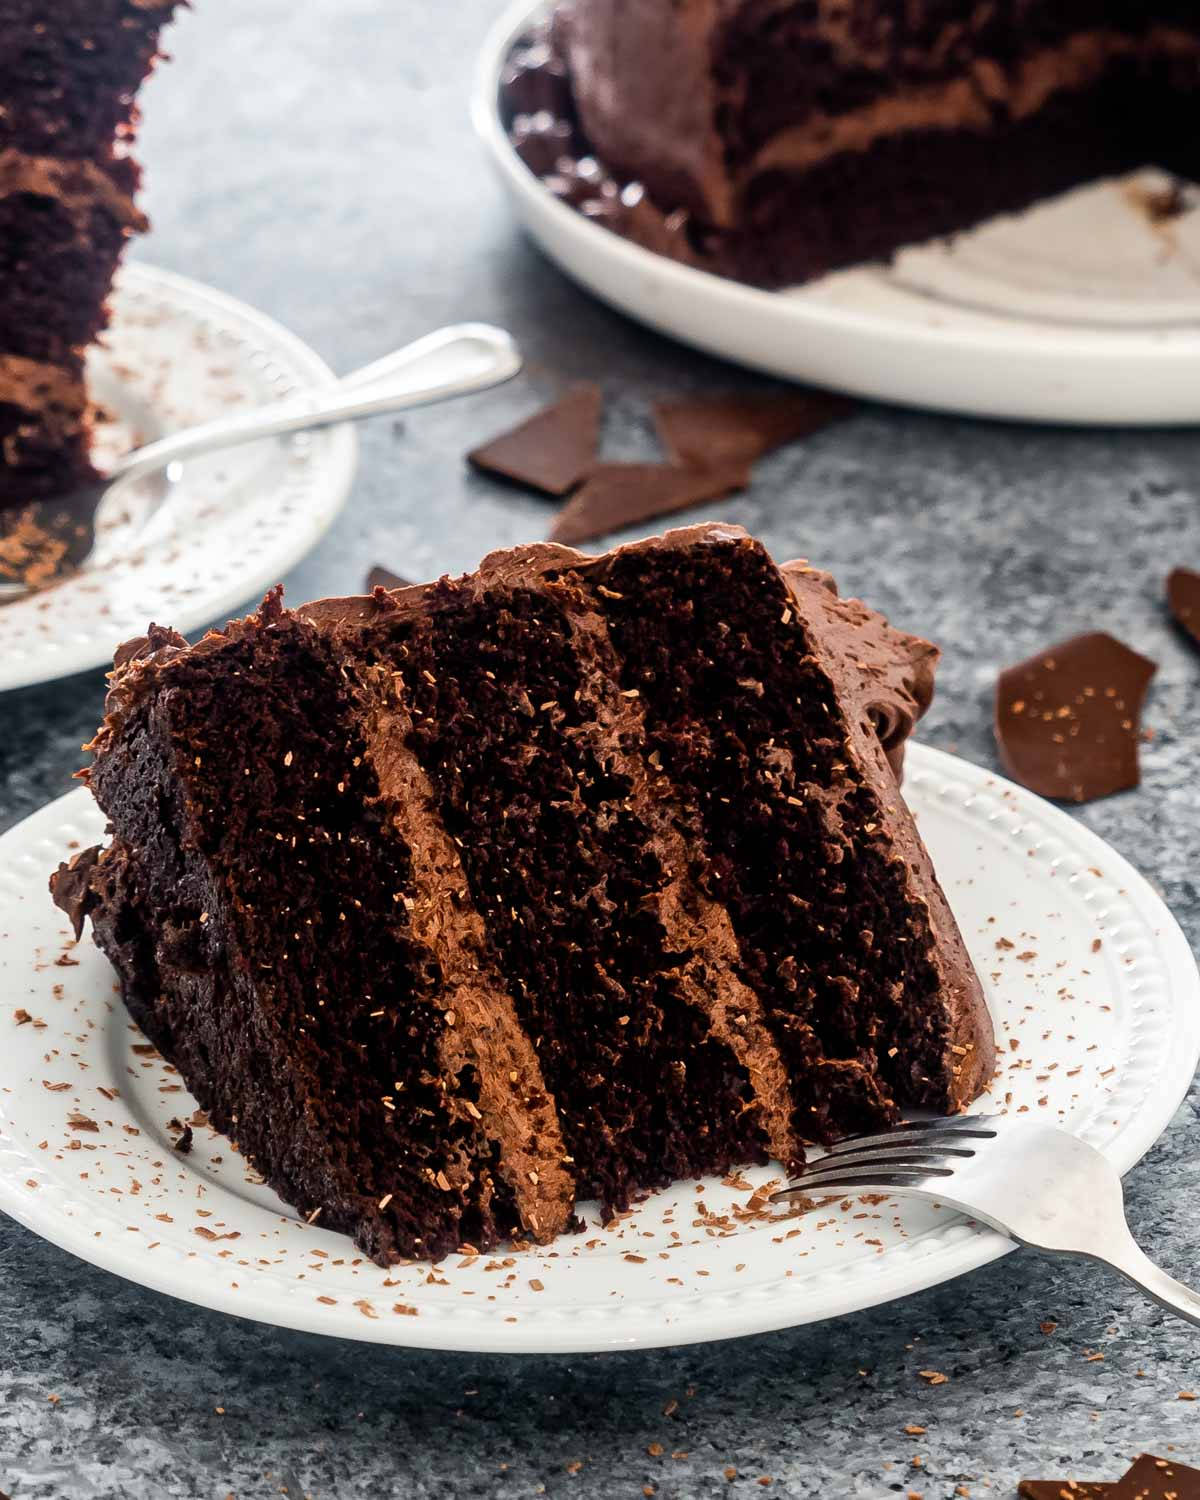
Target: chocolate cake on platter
point(776, 140)
point(69, 74)
point(459, 904)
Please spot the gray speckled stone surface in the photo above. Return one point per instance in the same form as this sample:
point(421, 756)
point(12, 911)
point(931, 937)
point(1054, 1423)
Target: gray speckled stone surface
point(315, 160)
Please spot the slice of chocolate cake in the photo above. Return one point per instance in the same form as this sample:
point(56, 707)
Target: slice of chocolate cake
point(69, 73)
point(460, 903)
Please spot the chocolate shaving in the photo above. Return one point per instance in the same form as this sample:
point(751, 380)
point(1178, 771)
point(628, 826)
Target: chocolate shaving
point(617, 495)
point(740, 429)
point(1183, 596)
point(384, 578)
point(184, 1144)
point(552, 450)
point(1067, 719)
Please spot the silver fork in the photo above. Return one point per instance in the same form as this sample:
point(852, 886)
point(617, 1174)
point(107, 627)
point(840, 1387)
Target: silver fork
point(1039, 1185)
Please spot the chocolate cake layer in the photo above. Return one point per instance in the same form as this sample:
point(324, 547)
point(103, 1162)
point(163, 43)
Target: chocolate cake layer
point(563, 879)
point(776, 141)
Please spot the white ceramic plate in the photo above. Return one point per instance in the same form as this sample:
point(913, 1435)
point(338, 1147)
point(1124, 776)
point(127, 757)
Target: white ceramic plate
point(178, 353)
point(1082, 310)
point(1097, 1004)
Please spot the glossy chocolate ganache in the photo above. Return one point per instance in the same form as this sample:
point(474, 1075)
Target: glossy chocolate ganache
point(774, 142)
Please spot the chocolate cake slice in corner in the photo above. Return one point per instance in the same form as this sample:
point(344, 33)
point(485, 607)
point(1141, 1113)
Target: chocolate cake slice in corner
point(69, 75)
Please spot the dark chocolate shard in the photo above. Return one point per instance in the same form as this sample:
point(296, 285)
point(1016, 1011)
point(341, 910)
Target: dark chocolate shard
point(1153, 1478)
point(71, 887)
point(1183, 596)
point(552, 450)
point(617, 495)
point(1067, 719)
point(1063, 1489)
point(741, 429)
point(384, 578)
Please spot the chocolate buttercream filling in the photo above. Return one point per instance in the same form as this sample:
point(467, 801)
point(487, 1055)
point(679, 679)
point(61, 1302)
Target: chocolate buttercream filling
point(514, 1108)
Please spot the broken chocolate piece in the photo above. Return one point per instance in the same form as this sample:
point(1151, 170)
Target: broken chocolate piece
point(552, 450)
point(1153, 1478)
point(1063, 1489)
point(741, 429)
point(384, 578)
point(617, 495)
point(1067, 718)
point(1183, 596)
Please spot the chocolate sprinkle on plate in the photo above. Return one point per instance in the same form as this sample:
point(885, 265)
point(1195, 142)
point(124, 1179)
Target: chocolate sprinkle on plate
point(741, 429)
point(1183, 596)
point(617, 495)
point(384, 578)
point(550, 451)
point(1067, 719)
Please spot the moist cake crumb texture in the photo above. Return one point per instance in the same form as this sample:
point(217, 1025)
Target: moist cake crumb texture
point(460, 904)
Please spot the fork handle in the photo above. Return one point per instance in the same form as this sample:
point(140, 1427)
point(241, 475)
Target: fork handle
point(1135, 1265)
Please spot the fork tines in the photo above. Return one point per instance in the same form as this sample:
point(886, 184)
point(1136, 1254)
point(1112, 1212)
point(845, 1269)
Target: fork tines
point(913, 1152)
